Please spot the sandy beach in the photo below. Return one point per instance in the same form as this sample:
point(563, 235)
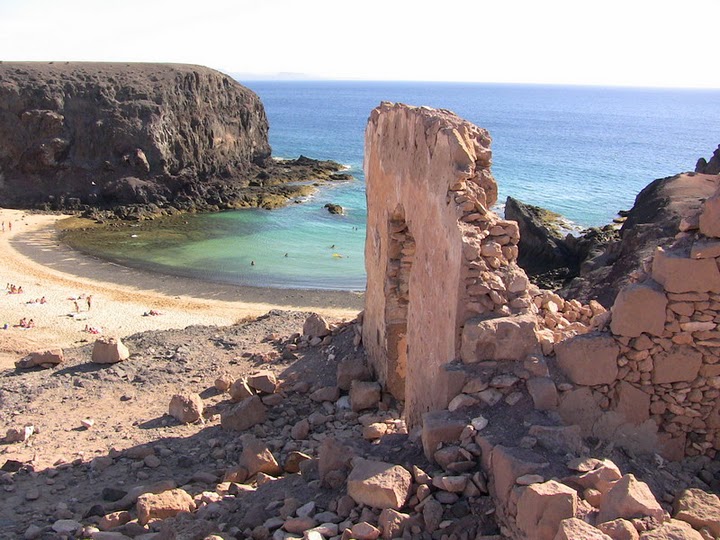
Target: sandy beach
point(33, 258)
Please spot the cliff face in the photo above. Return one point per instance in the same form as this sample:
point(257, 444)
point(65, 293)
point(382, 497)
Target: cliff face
point(122, 132)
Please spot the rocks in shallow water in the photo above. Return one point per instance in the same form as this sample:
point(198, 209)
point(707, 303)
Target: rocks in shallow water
point(109, 350)
point(186, 408)
point(335, 209)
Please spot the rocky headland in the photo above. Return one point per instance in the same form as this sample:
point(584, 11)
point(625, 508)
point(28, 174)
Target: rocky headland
point(139, 140)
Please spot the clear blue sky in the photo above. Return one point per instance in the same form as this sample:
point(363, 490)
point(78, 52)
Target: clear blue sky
point(609, 42)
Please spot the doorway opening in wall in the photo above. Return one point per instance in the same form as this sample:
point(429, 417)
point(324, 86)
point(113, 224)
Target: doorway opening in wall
point(401, 254)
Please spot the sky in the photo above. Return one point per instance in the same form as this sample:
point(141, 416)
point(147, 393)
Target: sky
point(659, 43)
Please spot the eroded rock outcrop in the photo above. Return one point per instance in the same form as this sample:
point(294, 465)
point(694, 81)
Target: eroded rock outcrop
point(106, 134)
point(709, 167)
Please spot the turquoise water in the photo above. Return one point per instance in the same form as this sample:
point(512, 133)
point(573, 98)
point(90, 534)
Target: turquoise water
point(583, 152)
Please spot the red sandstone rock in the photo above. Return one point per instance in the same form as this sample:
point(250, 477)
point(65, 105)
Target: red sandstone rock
point(630, 498)
point(588, 359)
point(163, 505)
point(263, 381)
point(333, 457)
point(378, 484)
point(633, 403)
point(639, 308)
point(510, 463)
point(240, 390)
point(351, 369)
point(679, 274)
point(256, 457)
point(710, 217)
point(109, 350)
point(577, 529)
point(41, 358)
point(499, 338)
point(543, 392)
point(672, 530)
point(244, 415)
point(681, 363)
point(440, 427)
point(705, 249)
point(619, 529)
point(316, 326)
point(699, 509)
point(542, 507)
point(392, 523)
point(186, 408)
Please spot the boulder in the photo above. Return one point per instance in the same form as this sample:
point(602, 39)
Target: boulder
point(392, 523)
point(619, 529)
point(699, 509)
point(186, 408)
point(240, 390)
point(678, 273)
point(244, 415)
point(588, 359)
point(680, 363)
point(263, 381)
point(47, 358)
point(316, 326)
point(364, 395)
point(499, 338)
point(639, 308)
point(709, 167)
point(672, 530)
point(543, 392)
point(351, 369)
point(378, 484)
point(333, 457)
point(630, 498)
point(163, 505)
point(109, 350)
point(542, 507)
point(577, 529)
point(256, 457)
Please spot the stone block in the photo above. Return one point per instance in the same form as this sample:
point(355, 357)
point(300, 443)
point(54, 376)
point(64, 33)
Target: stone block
point(579, 407)
point(680, 363)
point(186, 408)
point(588, 359)
point(543, 392)
point(163, 505)
point(542, 507)
point(364, 395)
point(351, 369)
point(333, 458)
point(240, 390)
point(672, 530)
point(109, 350)
point(499, 338)
point(619, 529)
point(559, 439)
point(263, 381)
point(509, 464)
point(244, 415)
point(705, 249)
point(632, 403)
point(256, 457)
point(440, 427)
point(699, 509)
point(577, 529)
point(316, 326)
point(630, 498)
point(639, 308)
point(378, 484)
point(680, 274)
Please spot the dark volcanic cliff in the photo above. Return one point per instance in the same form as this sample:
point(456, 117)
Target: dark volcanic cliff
point(105, 134)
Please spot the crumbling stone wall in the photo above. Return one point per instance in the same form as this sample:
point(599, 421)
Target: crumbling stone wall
point(441, 266)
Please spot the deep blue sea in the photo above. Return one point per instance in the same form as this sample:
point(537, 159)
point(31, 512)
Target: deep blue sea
point(584, 152)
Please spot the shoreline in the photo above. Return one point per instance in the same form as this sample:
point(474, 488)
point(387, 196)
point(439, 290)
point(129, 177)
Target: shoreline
point(35, 259)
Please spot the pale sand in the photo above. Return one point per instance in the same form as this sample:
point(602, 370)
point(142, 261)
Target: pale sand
point(32, 257)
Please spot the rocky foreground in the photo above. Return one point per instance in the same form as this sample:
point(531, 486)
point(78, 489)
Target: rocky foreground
point(138, 140)
point(275, 428)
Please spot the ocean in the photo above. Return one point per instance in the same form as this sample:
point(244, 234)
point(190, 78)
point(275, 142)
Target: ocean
point(584, 152)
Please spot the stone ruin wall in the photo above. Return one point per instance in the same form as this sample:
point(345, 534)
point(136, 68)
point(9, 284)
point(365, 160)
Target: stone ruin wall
point(451, 321)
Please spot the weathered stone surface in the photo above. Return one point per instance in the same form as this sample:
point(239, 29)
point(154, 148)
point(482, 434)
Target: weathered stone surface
point(499, 338)
point(710, 217)
point(263, 381)
point(542, 507)
point(577, 529)
point(244, 415)
point(579, 407)
point(639, 308)
point(619, 529)
point(316, 326)
point(240, 390)
point(364, 395)
point(392, 523)
point(559, 439)
point(508, 464)
point(699, 509)
point(630, 498)
point(678, 273)
point(256, 457)
point(109, 350)
point(440, 427)
point(186, 408)
point(588, 359)
point(413, 157)
point(163, 505)
point(681, 363)
point(41, 358)
point(633, 403)
point(672, 530)
point(543, 392)
point(378, 484)
point(333, 457)
point(705, 249)
point(326, 393)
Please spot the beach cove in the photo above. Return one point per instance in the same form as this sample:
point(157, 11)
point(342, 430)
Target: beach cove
point(34, 259)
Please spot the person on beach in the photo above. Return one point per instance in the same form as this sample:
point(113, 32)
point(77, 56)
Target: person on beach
point(77, 306)
point(89, 301)
point(43, 300)
point(30, 324)
point(23, 323)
